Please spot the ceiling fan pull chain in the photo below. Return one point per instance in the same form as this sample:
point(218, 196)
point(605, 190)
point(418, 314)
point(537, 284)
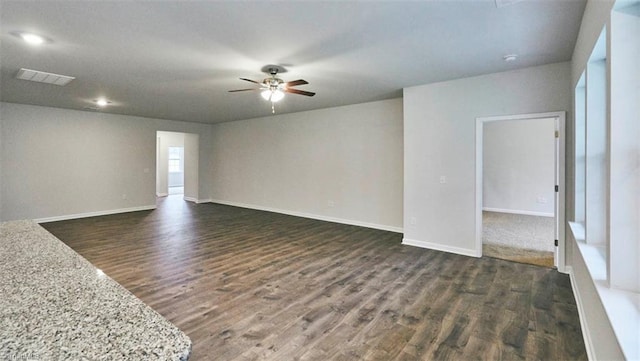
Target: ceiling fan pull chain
point(273, 108)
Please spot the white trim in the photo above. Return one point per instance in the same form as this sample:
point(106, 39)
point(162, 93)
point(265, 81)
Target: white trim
point(312, 216)
point(162, 194)
point(621, 307)
point(207, 200)
point(562, 244)
point(517, 211)
point(523, 116)
point(559, 254)
point(478, 189)
point(441, 247)
point(190, 199)
point(94, 214)
point(581, 314)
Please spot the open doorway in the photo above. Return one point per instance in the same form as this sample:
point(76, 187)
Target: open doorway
point(177, 165)
point(175, 169)
point(517, 202)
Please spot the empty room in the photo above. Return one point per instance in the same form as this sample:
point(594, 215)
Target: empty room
point(320, 180)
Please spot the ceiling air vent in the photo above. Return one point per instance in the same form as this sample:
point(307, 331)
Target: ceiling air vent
point(44, 77)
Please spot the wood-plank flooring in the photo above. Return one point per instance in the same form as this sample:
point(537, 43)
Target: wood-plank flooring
point(252, 285)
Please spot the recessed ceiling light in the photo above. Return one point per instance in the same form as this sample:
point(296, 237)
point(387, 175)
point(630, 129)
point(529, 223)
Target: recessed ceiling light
point(102, 102)
point(510, 57)
point(31, 38)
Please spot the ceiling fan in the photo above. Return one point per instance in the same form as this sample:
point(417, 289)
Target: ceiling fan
point(273, 88)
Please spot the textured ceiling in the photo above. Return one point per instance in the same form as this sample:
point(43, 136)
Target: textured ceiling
point(177, 60)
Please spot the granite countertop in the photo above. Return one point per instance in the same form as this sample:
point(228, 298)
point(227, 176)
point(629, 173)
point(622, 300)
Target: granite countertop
point(55, 305)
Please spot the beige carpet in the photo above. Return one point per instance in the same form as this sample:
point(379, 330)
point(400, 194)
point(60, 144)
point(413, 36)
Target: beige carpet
point(518, 238)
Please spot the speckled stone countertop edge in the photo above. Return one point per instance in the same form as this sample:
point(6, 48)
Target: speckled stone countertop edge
point(58, 306)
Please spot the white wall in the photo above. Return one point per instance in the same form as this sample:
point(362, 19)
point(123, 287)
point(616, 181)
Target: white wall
point(439, 140)
point(518, 166)
point(60, 163)
point(166, 140)
point(192, 168)
point(1, 152)
point(342, 164)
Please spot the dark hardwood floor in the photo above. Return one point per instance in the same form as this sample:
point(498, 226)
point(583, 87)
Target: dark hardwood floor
point(252, 285)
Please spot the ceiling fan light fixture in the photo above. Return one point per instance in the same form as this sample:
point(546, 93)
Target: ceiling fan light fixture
point(273, 89)
point(277, 95)
point(273, 95)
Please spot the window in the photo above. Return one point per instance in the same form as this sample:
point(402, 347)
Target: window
point(580, 149)
point(608, 131)
point(175, 159)
point(624, 148)
point(596, 184)
point(607, 150)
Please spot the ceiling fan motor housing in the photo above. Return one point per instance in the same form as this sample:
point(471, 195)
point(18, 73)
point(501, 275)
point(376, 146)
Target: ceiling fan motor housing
point(273, 83)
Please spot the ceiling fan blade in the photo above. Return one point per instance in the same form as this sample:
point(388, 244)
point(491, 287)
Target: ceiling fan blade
point(301, 92)
point(242, 90)
point(249, 80)
point(296, 82)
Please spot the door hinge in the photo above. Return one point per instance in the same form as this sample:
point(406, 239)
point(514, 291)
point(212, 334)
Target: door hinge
point(555, 242)
point(557, 188)
point(557, 134)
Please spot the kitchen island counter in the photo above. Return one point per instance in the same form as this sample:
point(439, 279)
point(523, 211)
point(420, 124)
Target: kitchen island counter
point(55, 305)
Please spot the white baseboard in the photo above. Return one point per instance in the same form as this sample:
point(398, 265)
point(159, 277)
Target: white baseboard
point(162, 194)
point(581, 314)
point(441, 247)
point(206, 200)
point(190, 199)
point(312, 216)
point(94, 214)
point(516, 211)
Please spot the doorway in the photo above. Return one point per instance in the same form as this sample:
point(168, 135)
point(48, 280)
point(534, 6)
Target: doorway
point(177, 165)
point(519, 188)
point(175, 168)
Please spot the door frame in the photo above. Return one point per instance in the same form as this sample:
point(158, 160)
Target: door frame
point(191, 159)
point(559, 206)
